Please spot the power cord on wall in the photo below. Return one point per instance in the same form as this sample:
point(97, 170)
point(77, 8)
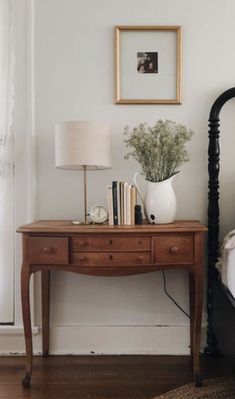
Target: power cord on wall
point(171, 298)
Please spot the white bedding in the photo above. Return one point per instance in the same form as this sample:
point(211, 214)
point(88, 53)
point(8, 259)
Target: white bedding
point(226, 263)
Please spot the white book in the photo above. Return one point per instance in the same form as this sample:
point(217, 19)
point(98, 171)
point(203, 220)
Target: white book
point(128, 205)
point(125, 203)
point(110, 204)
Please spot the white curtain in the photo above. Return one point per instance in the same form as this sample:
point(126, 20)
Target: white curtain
point(6, 162)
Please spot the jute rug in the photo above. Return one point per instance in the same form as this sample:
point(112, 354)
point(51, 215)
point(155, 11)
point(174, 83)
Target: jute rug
point(218, 388)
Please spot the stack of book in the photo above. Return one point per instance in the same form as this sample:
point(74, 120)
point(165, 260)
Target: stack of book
point(121, 203)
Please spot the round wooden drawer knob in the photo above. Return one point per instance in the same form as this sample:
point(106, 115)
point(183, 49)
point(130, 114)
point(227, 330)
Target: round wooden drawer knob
point(82, 243)
point(174, 249)
point(47, 250)
point(140, 258)
point(82, 258)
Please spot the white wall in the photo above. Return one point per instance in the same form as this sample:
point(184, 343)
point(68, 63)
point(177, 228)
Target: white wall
point(74, 78)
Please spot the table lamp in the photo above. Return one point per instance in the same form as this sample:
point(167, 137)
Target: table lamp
point(82, 145)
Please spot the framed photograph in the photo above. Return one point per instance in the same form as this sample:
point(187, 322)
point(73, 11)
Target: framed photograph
point(148, 64)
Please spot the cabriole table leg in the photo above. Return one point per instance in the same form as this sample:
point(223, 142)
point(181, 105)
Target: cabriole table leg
point(198, 278)
point(192, 310)
point(25, 297)
point(45, 282)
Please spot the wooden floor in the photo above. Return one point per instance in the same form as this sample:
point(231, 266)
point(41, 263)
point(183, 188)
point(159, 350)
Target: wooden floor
point(119, 377)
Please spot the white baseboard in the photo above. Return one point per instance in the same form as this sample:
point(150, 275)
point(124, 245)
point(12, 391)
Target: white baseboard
point(107, 340)
point(15, 330)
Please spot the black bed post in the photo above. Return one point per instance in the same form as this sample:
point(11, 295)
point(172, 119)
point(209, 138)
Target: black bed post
point(213, 214)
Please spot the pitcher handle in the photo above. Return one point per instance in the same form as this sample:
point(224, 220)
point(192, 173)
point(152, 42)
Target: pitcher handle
point(136, 184)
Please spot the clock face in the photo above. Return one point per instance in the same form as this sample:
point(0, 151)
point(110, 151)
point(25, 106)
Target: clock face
point(98, 214)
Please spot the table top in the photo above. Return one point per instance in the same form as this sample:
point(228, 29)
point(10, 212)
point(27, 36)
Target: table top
point(66, 226)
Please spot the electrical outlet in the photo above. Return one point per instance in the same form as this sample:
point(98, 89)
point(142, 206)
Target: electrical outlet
point(2, 140)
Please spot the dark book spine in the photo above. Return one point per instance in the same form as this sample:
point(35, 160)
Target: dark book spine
point(115, 203)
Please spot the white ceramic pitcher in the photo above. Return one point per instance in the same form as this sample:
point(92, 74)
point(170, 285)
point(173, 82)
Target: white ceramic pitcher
point(159, 200)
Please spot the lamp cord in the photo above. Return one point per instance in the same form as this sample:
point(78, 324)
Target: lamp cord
point(171, 298)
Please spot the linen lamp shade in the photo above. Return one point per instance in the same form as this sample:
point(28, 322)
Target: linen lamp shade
point(82, 143)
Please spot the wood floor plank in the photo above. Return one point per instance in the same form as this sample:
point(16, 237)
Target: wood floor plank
point(103, 377)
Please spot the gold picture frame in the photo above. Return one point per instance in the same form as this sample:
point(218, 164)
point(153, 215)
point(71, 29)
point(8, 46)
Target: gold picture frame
point(148, 64)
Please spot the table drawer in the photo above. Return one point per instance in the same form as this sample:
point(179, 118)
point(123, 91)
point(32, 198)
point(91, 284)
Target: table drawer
point(48, 250)
point(120, 259)
point(173, 249)
point(110, 243)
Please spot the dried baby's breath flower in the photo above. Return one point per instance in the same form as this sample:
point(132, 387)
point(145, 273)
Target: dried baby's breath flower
point(160, 149)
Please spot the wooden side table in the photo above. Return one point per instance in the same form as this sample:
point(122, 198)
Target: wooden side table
point(103, 250)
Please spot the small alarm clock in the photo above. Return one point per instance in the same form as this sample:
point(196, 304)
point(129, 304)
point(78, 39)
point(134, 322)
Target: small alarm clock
point(98, 214)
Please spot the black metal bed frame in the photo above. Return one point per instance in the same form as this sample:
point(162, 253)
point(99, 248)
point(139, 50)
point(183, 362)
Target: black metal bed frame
point(213, 218)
